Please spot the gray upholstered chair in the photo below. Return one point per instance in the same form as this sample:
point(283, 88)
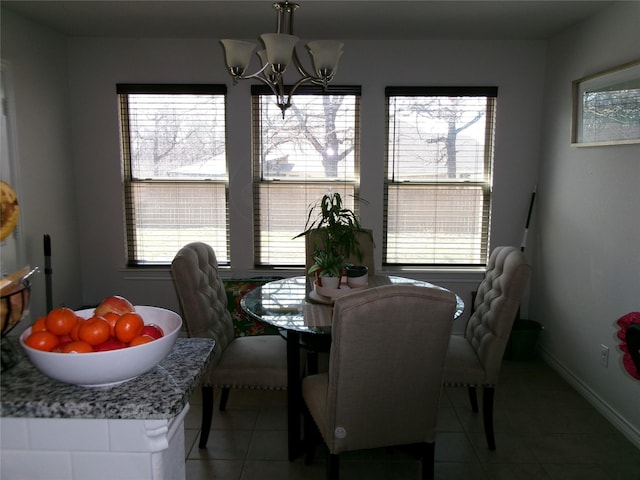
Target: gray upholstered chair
point(245, 362)
point(475, 358)
point(385, 373)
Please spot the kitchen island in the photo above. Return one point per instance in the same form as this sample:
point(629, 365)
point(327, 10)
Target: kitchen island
point(135, 430)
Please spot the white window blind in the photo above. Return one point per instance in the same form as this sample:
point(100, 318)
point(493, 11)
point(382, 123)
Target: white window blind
point(313, 150)
point(175, 170)
point(438, 176)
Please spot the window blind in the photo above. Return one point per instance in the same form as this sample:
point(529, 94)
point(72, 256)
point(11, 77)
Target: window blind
point(438, 175)
point(175, 170)
point(296, 160)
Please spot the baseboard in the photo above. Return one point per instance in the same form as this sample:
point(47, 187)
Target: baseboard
point(628, 430)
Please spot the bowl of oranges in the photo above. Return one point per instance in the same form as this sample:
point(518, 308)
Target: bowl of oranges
point(108, 345)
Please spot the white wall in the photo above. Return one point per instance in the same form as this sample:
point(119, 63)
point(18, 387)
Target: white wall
point(37, 58)
point(96, 65)
point(587, 255)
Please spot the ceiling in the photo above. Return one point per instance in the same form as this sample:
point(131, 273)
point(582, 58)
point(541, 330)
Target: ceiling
point(347, 19)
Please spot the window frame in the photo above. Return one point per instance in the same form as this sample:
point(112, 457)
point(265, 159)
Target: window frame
point(484, 184)
point(349, 189)
point(132, 247)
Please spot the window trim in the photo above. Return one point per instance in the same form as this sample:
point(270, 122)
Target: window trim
point(257, 180)
point(490, 92)
point(122, 90)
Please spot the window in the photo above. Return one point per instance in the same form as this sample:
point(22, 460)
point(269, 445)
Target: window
point(438, 175)
point(297, 159)
point(175, 170)
point(607, 107)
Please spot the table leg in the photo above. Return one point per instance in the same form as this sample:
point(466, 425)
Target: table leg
point(294, 394)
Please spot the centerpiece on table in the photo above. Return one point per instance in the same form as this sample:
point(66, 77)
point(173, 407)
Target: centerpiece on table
point(333, 231)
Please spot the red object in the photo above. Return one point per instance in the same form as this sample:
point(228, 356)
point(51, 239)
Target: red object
point(154, 331)
point(624, 322)
point(114, 303)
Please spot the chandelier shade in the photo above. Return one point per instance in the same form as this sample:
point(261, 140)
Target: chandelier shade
point(326, 55)
point(237, 55)
point(280, 52)
point(279, 48)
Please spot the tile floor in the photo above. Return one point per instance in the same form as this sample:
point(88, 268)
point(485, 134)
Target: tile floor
point(544, 431)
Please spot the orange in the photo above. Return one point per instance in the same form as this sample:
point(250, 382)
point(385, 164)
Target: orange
point(112, 318)
point(140, 340)
point(129, 326)
point(94, 331)
point(76, 328)
point(61, 320)
point(77, 347)
point(39, 325)
point(45, 341)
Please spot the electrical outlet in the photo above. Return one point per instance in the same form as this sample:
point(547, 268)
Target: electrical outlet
point(604, 355)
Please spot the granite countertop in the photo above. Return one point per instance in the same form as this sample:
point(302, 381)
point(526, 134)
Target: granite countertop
point(161, 393)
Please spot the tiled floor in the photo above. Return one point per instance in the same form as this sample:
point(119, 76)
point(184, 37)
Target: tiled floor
point(544, 431)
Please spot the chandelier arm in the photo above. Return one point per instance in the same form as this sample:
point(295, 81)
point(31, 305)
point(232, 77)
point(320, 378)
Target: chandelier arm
point(266, 81)
point(298, 64)
point(296, 85)
point(254, 75)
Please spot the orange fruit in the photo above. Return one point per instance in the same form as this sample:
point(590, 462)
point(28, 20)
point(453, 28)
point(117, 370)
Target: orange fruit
point(94, 331)
point(129, 326)
point(140, 340)
point(61, 320)
point(39, 325)
point(77, 347)
point(112, 318)
point(76, 328)
point(45, 341)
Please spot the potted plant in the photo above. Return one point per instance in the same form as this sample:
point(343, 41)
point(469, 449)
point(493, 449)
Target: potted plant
point(334, 230)
point(328, 265)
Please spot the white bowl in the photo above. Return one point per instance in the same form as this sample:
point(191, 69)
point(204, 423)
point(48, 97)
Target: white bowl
point(98, 369)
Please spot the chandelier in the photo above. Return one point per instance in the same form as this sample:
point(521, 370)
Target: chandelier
point(279, 51)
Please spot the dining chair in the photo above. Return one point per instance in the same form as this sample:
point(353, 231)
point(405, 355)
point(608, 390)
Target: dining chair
point(258, 362)
point(385, 375)
point(475, 357)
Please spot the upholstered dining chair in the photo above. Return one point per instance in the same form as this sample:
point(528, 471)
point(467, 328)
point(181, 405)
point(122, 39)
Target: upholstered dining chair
point(475, 358)
point(385, 375)
point(245, 362)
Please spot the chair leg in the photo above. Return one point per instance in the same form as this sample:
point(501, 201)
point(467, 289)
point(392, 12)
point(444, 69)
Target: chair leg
point(473, 399)
point(333, 467)
point(224, 397)
point(428, 461)
point(311, 437)
point(487, 415)
point(207, 415)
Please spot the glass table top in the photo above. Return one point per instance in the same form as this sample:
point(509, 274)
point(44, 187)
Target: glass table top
point(287, 304)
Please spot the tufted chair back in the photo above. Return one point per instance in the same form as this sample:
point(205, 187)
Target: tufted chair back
point(496, 305)
point(475, 358)
point(202, 296)
point(258, 362)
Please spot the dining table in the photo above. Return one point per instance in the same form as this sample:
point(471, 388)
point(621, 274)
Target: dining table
point(303, 316)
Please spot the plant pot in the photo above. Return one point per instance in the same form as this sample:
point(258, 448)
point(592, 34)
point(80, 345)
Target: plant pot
point(357, 275)
point(330, 282)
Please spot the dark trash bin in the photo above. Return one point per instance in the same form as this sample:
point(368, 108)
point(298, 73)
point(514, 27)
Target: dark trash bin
point(523, 340)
